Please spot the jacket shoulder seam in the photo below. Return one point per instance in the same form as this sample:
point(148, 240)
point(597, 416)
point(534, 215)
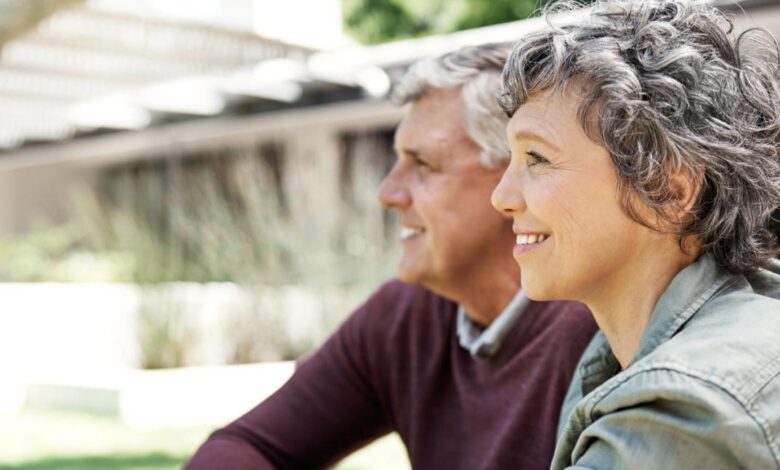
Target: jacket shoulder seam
point(719, 383)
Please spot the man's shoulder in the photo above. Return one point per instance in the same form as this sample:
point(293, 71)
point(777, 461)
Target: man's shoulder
point(396, 292)
point(398, 295)
point(396, 304)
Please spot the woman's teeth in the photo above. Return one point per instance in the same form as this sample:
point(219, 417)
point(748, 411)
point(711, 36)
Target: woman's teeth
point(530, 239)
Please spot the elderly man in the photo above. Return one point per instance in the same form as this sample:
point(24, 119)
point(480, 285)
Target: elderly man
point(452, 356)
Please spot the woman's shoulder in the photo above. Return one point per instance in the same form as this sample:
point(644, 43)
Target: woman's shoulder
point(729, 348)
point(715, 380)
point(733, 341)
point(723, 365)
point(673, 402)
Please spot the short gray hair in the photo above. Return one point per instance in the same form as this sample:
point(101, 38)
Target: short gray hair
point(478, 70)
point(666, 88)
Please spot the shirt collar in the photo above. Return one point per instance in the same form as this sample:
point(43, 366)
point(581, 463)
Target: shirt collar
point(484, 343)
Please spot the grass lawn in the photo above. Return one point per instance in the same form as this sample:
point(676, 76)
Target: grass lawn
point(38, 440)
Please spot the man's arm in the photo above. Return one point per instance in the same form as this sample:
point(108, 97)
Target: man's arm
point(329, 407)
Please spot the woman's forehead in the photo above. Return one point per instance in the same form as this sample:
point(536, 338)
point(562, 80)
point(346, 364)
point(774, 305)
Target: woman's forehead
point(547, 114)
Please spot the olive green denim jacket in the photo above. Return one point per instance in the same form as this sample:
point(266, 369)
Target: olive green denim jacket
point(702, 392)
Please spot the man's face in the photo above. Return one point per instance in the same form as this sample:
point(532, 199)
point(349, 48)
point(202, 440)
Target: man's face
point(441, 192)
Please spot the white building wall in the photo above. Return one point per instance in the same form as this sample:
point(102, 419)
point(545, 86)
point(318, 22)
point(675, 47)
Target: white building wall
point(74, 346)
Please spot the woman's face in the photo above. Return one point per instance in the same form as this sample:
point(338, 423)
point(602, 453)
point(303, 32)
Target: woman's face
point(574, 240)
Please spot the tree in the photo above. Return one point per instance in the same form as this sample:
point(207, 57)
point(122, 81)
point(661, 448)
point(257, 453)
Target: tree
point(375, 21)
point(485, 13)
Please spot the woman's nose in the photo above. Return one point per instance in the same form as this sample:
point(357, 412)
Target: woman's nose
point(507, 198)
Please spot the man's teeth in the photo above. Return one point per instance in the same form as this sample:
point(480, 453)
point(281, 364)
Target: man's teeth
point(529, 239)
point(407, 232)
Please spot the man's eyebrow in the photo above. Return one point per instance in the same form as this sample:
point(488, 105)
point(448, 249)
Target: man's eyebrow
point(529, 134)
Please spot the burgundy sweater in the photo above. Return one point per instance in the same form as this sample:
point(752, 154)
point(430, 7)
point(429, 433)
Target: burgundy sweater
point(396, 365)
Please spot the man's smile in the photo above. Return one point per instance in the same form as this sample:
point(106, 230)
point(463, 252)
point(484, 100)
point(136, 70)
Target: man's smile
point(409, 232)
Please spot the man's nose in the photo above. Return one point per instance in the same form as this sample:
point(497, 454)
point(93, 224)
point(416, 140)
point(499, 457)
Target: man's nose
point(393, 192)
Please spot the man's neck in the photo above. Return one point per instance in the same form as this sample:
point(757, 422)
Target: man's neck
point(485, 299)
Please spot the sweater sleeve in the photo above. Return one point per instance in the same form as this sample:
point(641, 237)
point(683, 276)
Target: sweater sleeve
point(328, 408)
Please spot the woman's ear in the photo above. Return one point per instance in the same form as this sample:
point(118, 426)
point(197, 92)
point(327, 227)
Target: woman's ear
point(685, 186)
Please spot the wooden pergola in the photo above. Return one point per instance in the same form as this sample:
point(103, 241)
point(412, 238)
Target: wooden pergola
point(70, 69)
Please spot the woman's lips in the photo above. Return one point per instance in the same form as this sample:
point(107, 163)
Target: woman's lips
point(529, 241)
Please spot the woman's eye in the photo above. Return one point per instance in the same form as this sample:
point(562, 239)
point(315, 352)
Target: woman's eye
point(535, 159)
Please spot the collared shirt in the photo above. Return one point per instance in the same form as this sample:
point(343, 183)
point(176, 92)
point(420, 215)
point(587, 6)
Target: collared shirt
point(484, 343)
point(703, 391)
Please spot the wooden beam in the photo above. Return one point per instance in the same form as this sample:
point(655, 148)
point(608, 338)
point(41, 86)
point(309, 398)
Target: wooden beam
point(204, 134)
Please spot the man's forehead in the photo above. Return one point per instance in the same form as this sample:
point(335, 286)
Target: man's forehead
point(433, 112)
point(424, 133)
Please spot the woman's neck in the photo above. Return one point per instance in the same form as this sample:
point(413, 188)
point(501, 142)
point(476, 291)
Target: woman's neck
point(622, 306)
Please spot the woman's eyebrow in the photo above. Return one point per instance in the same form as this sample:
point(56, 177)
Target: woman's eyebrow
point(529, 134)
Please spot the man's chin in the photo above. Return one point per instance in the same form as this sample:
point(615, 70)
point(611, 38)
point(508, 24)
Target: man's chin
point(410, 273)
point(407, 277)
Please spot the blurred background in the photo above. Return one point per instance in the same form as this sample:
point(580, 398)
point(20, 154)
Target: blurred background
point(187, 205)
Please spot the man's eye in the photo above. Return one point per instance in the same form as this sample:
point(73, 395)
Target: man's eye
point(421, 163)
point(535, 159)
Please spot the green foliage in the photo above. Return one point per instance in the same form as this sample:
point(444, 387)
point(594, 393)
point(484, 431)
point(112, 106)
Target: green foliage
point(32, 257)
point(164, 332)
point(202, 223)
point(484, 13)
point(379, 20)
point(223, 217)
point(226, 216)
point(57, 253)
point(240, 216)
point(51, 440)
point(150, 461)
point(376, 21)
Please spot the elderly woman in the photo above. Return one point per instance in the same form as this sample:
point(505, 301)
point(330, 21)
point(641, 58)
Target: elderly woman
point(644, 170)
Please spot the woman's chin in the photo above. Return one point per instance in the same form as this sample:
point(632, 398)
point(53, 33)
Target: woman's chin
point(537, 291)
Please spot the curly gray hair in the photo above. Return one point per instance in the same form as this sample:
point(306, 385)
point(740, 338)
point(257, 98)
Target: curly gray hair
point(666, 88)
point(478, 70)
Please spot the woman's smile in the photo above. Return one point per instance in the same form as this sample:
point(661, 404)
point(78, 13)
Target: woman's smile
point(528, 241)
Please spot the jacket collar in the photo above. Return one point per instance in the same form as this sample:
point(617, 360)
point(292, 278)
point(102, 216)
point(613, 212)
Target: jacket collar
point(687, 292)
